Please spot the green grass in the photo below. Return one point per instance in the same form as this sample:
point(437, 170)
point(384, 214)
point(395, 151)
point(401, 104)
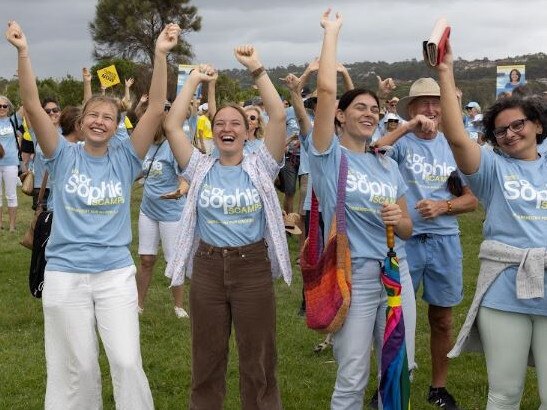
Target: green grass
point(306, 379)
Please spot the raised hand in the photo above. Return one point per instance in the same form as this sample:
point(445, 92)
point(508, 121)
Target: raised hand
point(129, 82)
point(204, 73)
point(15, 35)
point(340, 68)
point(329, 24)
point(248, 57)
point(292, 82)
point(313, 65)
point(168, 38)
point(448, 60)
point(143, 99)
point(86, 75)
point(385, 86)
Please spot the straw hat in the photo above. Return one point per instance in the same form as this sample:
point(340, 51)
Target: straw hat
point(423, 87)
point(291, 223)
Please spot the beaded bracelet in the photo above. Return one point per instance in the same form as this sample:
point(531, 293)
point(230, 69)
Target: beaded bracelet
point(449, 204)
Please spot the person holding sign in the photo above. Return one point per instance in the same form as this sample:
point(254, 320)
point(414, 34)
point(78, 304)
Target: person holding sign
point(90, 275)
point(232, 239)
point(509, 308)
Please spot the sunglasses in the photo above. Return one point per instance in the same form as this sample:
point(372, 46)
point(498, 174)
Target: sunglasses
point(252, 117)
point(514, 126)
point(392, 121)
point(4, 106)
point(166, 108)
point(52, 110)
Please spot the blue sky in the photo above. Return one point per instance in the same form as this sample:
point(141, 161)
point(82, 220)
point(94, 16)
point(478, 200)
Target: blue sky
point(288, 31)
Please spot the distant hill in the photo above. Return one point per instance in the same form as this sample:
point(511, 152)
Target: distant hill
point(476, 79)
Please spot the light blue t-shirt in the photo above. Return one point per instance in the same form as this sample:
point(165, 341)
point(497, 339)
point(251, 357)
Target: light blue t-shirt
point(426, 166)
point(370, 184)
point(91, 230)
point(230, 210)
point(9, 143)
point(514, 195)
point(189, 127)
point(161, 179)
point(542, 148)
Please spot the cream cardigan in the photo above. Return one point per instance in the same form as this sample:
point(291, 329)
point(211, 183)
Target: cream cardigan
point(262, 169)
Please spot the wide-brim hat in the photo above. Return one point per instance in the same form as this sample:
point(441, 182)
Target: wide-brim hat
point(291, 223)
point(423, 87)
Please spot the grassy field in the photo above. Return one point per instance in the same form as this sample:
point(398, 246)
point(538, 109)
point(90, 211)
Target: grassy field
point(306, 379)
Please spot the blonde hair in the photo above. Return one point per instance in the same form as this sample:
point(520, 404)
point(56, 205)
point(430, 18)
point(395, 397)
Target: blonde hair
point(101, 99)
point(9, 103)
point(259, 131)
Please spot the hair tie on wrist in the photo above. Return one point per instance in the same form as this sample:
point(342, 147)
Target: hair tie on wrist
point(258, 72)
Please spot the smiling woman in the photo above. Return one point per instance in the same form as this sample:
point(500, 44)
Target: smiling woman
point(509, 308)
point(231, 227)
point(89, 277)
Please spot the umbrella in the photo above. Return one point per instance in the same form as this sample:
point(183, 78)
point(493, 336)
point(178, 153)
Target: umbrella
point(395, 380)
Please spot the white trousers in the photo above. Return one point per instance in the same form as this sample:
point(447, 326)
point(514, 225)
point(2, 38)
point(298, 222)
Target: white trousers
point(8, 179)
point(75, 305)
point(507, 338)
point(364, 325)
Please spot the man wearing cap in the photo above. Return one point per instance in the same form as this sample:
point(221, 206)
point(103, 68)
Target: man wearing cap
point(204, 133)
point(473, 120)
point(434, 251)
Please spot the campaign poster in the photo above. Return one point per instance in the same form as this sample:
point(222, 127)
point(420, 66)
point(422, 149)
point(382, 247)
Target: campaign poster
point(509, 77)
point(184, 72)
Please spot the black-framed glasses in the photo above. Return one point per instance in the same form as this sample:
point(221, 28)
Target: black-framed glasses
point(515, 126)
point(4, 106)
point(52, 110)
point(252, 117)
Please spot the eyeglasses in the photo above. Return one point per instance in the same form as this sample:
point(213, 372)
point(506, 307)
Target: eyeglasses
point(514, 126)
point(4, 106)
point(252, 117)
point(52, 110)
point(393, 121)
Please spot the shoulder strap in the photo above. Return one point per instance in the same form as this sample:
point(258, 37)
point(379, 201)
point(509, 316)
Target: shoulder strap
point(15, 127)
point(40, 205)
point(152, 160)
point(315, 241)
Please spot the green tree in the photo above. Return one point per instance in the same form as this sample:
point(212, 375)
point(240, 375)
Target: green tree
point(128, 28)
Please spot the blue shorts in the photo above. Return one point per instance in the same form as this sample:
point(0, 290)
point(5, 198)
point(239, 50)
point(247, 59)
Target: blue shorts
point(436, 260)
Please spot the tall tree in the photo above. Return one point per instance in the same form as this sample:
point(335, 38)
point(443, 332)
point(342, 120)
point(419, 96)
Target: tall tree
point(128, 28)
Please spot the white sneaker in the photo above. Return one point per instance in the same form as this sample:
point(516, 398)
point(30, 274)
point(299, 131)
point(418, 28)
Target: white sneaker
point(181, 313)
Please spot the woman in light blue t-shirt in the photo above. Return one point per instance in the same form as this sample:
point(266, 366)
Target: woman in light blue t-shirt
point(89, 280)
point(509, 308)
point(8, 162)
point(232, 241)
point(375, 198)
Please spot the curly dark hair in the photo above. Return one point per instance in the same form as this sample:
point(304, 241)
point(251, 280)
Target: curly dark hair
point(533, 107)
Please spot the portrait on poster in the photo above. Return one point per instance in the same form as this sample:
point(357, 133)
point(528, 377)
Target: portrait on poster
point(509, 77)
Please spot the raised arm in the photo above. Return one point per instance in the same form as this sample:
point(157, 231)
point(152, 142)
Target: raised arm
point(466, 152)
point(45, 131)
point(86, 77)
point(127, 92)
point(274, 134)
point(323, 129)
point(180, 144)
point(348, 82)
point(294, 84)
point(211, 96)
point(143, 134)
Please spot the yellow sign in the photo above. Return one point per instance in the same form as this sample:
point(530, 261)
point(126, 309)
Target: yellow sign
point(108, 76)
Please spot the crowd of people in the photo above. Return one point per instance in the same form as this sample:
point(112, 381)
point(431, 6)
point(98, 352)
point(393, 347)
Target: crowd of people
point(209, 177)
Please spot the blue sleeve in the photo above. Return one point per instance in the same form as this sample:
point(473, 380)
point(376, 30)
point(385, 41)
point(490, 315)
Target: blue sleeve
point(480, 181)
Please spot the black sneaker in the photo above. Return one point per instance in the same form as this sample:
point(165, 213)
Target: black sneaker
point(440, 397)
point(373, 404)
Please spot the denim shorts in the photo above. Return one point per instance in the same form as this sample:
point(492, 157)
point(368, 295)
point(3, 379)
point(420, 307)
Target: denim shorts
point(436, 261)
